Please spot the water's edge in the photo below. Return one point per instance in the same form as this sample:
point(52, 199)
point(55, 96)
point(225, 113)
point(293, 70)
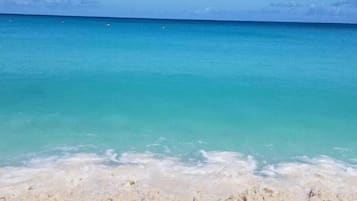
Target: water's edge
point(221, 175)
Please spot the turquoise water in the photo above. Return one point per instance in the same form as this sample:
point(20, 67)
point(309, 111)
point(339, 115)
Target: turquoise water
point(274, 91)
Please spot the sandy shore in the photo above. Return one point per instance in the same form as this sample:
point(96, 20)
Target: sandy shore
point(223, 177)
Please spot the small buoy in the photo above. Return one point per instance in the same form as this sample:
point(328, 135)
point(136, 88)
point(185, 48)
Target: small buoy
point(108, 25)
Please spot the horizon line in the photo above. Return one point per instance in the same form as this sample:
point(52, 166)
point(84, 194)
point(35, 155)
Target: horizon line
point(185, 19)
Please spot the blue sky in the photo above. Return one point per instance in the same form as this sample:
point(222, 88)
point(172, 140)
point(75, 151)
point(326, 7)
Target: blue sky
point(266, 10)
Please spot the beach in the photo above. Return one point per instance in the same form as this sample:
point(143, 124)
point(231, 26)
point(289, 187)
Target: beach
point(149, 109)
point(224, 176)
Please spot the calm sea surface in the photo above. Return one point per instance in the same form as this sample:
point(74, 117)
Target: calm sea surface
point(277, 92)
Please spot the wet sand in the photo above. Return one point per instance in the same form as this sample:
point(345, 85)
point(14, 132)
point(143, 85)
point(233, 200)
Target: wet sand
point(224, 176)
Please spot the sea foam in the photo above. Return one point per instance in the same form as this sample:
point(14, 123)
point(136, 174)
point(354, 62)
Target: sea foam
point(143, 176)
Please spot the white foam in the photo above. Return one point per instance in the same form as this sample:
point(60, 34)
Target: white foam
point(138, 175)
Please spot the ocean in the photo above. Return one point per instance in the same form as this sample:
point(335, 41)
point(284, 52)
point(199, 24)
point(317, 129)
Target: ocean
point(218, 101)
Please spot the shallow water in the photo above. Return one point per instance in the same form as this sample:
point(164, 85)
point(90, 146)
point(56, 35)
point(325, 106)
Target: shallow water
point(278, 93)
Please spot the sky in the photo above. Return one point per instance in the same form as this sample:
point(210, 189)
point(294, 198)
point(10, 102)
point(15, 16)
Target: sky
point(256, 10)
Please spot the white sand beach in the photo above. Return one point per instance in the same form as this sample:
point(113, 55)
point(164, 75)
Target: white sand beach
point(224, 176)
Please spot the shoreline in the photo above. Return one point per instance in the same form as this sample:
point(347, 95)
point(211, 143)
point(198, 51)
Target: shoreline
point(224, 176)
